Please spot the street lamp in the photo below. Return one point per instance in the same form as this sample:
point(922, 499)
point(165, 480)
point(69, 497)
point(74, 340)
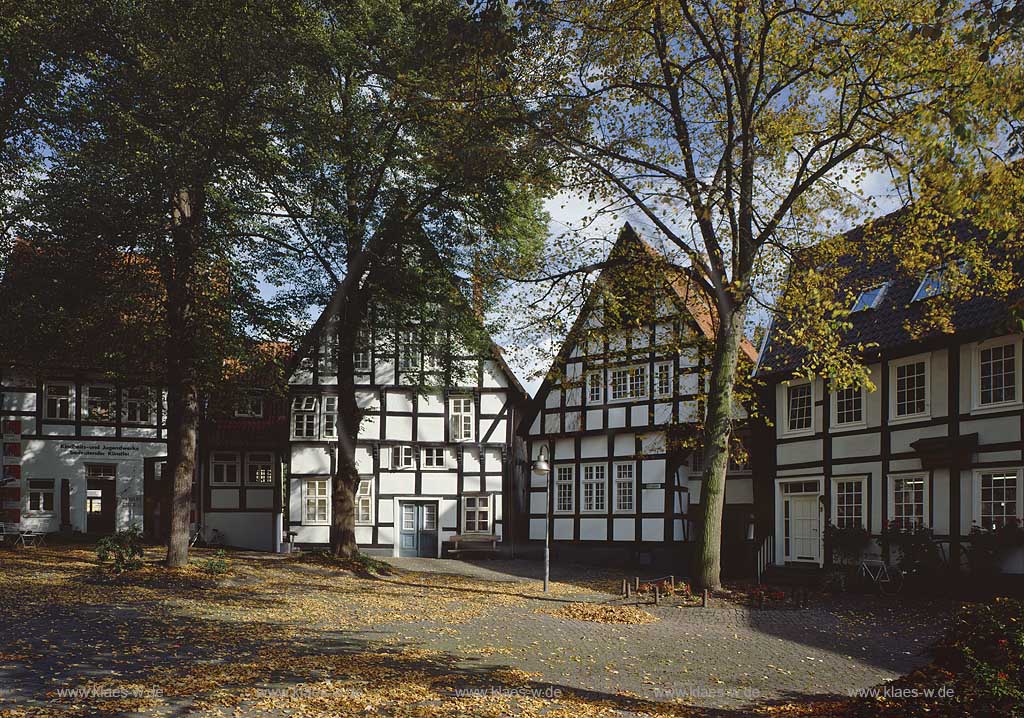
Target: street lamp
point(541, 466)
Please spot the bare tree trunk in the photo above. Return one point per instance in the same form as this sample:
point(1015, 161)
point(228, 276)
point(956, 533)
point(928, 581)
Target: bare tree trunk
point(346, 473)
point(182, 384)
point(717, 434)
point(343, 506)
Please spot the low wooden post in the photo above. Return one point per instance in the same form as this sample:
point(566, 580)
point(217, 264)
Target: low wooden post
point(625, 587)
point(704, 599)
point(657, 595)
point(672, 583)
point(637, 585)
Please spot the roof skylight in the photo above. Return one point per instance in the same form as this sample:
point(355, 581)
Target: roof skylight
point(870, 298)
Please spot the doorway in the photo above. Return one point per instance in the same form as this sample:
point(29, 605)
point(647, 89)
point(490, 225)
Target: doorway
point(418, 532)
point(802, 528)
point(100, 498)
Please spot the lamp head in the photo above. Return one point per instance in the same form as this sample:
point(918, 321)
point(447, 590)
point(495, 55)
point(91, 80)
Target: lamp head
point(541, 465)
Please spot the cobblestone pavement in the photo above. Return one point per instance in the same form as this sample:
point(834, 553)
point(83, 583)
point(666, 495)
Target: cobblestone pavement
point(722, 656)
point(310, 630)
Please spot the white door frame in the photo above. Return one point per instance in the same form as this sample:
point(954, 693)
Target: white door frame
point(780, 498)
point(398, 500)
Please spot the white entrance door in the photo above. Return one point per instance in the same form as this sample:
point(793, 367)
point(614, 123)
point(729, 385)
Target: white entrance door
point(803, 529)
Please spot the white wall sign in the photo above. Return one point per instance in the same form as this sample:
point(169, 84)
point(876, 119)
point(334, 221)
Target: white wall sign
point(89, 449)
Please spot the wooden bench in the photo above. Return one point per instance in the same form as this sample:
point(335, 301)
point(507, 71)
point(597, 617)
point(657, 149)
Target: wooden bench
point(487, 543)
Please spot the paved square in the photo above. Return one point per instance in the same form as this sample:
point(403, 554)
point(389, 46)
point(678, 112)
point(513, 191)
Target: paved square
point(288, 637)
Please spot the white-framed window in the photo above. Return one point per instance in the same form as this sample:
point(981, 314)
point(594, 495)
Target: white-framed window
point(869, 298)
point(409, 353)
point(362, 360)
point(224, 468)
point(259, 468)
point(476, 514)
point(849, 502)
point(137, 405)
point(595, 388)
point(908, 501)
point(628, 383)
point(328, 359)
point(316, 497)
point(329, 417)
point(997, 373)
point(997, 497)
point(462, 418)
point(433, 350)
point(304, 410)
point(696, 460)
point(848, 408)
point(430, 517)
point(364, 502)
point(910, 387)
point(595, 490)
point(565, 490)
point(433, 457)
point(625, 488)
point(402, 457)
point(60, 401)
point(99, 402)
point(799, 407)
point(101, 471)
point(40, 496)
point(663, 379)
point(250, 406)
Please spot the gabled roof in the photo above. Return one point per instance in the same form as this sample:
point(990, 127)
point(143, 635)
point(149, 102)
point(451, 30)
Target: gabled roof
point(688, 287)
point(309, 342)
point(885, 327)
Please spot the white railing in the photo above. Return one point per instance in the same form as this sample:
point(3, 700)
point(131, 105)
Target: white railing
point(765, 557)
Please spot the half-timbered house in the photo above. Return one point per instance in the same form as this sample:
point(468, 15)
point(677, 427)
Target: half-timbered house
point(434, 447)
point(618, 412)
point(79, 450)
point(243, 444)
point(937, 444)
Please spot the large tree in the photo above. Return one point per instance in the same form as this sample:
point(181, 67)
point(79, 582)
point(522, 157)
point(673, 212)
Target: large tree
point(410, 174)
point(738, 131)
point(163, 139)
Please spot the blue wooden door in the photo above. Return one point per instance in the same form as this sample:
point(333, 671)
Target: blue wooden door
point(417, 534)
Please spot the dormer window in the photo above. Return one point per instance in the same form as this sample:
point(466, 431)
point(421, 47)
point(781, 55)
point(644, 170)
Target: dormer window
point(870, 298)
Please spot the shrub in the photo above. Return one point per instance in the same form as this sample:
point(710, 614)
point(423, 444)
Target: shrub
point(984, 649)
point(123, 550)
point(215, 565)
point(986, 546)
point(918, 554)
point(848, 543)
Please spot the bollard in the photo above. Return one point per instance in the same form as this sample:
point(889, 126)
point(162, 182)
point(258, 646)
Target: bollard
point(625, 587)
point(672, 583)
point(704, 599)
point(637, 584)
point(657, 595)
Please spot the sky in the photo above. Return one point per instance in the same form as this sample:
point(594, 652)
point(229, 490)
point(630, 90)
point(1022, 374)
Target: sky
point(567, 212)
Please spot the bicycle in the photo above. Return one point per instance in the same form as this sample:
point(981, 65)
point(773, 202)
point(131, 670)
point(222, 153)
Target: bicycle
point(216, 537)
point(888, 581)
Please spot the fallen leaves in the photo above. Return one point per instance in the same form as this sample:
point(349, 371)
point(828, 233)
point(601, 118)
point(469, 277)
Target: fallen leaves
point(598, 613)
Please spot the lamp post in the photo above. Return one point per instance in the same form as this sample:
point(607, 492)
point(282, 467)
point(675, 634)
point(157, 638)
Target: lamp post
point(542, 467)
